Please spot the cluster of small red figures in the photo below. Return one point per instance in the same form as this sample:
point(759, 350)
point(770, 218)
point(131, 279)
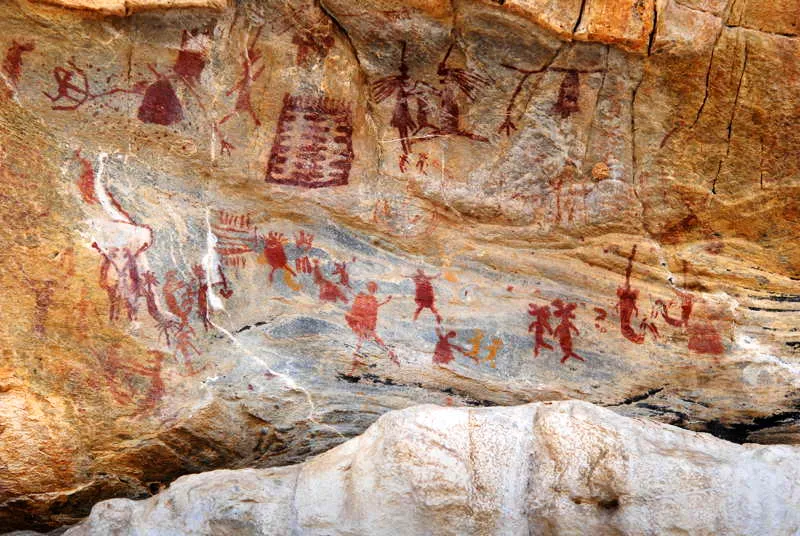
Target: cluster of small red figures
point(363, 314)
point(703, 337)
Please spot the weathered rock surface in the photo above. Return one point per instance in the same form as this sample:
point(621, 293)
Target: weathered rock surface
point(509, 201)
point(546, 468)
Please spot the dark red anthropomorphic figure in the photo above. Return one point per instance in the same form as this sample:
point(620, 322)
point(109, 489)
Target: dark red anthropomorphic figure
point(568, 95)
point(201, 290)
point(539, 326)
point(178, 297)
point(12, 65)
point(363, 319)
point(340, 269)
point(193, 55)
point(304, 242)
point(110, 275)
point(402, 119)
point(244, 87)
point(687, 304)
point(275, 254)
point(627, 305)
point(564, 330)
point(328, 291)
point(443, 353)
point(424, 295)
point(455, 81)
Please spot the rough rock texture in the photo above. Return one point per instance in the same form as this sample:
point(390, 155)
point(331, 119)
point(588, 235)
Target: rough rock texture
point(236, 236)
point(546, 468)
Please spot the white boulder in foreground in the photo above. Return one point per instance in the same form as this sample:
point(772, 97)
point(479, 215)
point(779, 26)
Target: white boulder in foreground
point(546, 468)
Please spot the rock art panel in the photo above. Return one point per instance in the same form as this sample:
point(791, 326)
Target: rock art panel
point(237, 236)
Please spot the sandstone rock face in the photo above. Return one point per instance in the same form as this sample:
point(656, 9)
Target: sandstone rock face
point(234, 235)
point(546, 468)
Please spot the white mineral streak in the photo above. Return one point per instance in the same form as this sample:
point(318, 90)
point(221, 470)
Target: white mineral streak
point(547, 468)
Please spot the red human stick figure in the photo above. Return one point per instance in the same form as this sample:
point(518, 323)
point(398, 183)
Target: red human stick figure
point(402, 163)
point(443, 353)
point(402, 119)
point(201, 292)
point(133, 281)
point(224, 289)
point(178, 297)
point(73, 88)
point(424, 295)
point(363, 319)
point(124, 283)
point(564, 330)
point(422, 163)
point(340, 269)
point(110, 281)
point(165, 324)
point(244, 87)
point(275, 253)
point(539, 326)
point(328, 291)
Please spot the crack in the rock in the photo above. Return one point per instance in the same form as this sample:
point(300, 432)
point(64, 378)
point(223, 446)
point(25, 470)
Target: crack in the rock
point(589, 134)
point(708, 77)
point(759, 30)
point(370, 112)
point(723, 17)
point(328, 13)
point(580, 17)
point(652, 37)
point(638, 398)
point(375, 379)
point(731, 120)
point(634, 160)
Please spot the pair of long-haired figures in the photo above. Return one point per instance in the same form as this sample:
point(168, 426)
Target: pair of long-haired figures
point(422, 110)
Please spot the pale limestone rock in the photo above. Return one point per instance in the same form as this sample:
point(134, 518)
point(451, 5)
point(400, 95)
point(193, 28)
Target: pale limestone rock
point(548, 468)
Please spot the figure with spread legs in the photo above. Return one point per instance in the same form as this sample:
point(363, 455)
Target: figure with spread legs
point(363, 320)
point(424, 294)
point(563, 332)
point(402, 86)
point(275, 256)
point(443, 353)
point(541, 323)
